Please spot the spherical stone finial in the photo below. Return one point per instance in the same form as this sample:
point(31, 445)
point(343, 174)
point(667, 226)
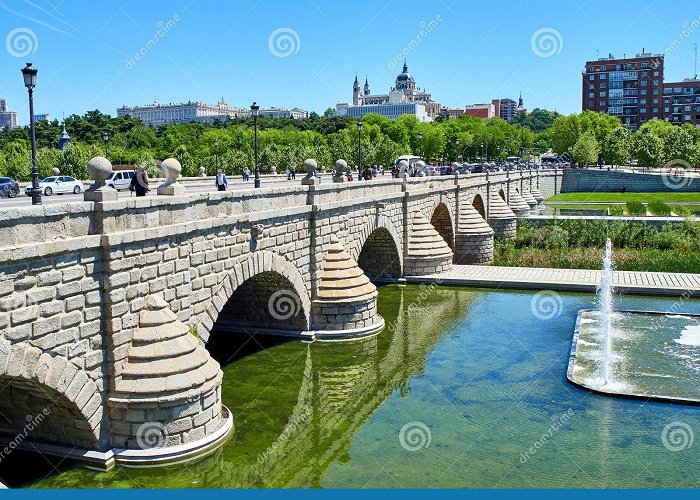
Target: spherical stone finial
point(99, 168)
point(341, 166)
point(171, 168)
point(310, 166)
point(56, 171)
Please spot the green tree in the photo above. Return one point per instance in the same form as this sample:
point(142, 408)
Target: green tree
point(586, 149)
point(678, 145)
point(617, 146)
point(647, 148)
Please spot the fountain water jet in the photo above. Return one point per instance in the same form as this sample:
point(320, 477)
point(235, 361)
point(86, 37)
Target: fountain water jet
point(605, 306)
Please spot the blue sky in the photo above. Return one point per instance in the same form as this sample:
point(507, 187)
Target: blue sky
point(470, 51)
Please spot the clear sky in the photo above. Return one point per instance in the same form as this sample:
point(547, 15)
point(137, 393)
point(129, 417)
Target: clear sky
point(469, 51)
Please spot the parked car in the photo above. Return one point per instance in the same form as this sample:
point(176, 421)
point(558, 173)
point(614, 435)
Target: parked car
point(445, 170)
point(8, 187)
point(429, 170)
point(120, 180)
point(58, 185)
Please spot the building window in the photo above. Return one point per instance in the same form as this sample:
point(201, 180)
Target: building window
point(591, 77)
point(643, 110)
point(603, 76)
point(655, 111)
point(643, 83)
point(591, 87)
point(656, 91)
point(656, 73)
point(655, 101)
point(642, 101)
point(602, 94)
point(603, 85)
point(643, 92)
point(591, 95)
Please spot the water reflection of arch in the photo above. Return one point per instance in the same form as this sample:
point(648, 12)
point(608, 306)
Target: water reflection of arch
point(340, 388)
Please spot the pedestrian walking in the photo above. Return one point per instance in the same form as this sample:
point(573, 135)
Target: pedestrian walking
point(221, 180)
point(139, 182)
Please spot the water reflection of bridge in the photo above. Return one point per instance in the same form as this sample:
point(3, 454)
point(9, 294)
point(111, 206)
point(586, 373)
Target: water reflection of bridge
point(335, 399)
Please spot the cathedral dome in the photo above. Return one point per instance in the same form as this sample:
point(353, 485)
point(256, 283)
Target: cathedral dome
point(405, 76)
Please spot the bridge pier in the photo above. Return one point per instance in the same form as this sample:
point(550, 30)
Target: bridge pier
point(501, 218)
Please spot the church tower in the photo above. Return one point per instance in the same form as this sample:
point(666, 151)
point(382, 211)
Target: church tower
point(366, 87)
point(356, 92)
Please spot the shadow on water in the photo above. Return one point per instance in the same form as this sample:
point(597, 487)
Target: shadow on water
point(227, 347)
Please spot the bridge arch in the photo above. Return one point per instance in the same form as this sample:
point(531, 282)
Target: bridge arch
point(479, 204)
point(443, 222)
point(48, 398)
point(262, 292)
point(378, 249)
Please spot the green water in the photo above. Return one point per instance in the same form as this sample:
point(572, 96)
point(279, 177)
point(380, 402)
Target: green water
point(474, 369)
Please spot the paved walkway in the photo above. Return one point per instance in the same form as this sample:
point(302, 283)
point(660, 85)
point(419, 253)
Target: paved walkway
point(577, 280)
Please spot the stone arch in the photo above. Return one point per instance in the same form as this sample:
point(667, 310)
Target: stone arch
point(267, 286)
point(479, 205)
point(59, 403)
point(443, 222)
point(379, 234)
point(379, 258)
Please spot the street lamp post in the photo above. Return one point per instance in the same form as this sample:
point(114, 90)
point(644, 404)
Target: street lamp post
point(105, 139)
point(254, 109)
point(420, 144)
point(29, 75)
point(216, 156)
point(456, 149)
point(359, 149)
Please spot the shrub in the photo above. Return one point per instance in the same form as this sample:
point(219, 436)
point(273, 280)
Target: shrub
point(636, 208)
point(659, 208)
point(616, 210)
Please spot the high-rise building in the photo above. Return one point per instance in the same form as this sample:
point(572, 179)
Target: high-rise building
point(505, 108)
point(629, 88)
point(44, 117)
point(404, 98)
point(682, 102)
point(8, 119)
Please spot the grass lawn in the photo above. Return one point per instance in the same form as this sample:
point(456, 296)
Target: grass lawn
point(625, 197)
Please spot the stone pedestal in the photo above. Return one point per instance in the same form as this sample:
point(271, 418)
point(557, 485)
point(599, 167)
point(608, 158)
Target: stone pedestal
point(517, 204)
point(171, 170)
point(166, 402)
point(529, 199)
point(346, 303)
point(539, 197)
point(99, 169)
point(102, 193)
point(428, 252)
point(474, 238)
point(501, 218)
point(175, 189)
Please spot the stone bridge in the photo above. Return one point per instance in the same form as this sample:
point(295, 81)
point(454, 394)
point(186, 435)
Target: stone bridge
point(106, 307)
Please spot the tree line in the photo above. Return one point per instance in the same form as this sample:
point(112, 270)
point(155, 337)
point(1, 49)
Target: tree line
point(285, 142)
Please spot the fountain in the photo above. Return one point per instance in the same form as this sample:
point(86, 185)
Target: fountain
point(605, 306)
point(644, 354)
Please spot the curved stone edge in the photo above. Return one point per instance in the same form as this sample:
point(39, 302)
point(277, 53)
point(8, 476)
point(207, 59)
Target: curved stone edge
point(348, 335)
point(157, 457)
point(625, 395)
point(152, 457)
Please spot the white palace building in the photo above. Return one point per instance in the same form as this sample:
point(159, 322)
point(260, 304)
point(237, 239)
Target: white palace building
point(155, 115)
point(404, 99)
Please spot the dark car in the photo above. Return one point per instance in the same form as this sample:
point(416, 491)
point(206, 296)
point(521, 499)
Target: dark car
point(445, 170)
point(8, 187)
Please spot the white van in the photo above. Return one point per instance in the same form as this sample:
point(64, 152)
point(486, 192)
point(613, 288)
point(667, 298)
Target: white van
point(120, 180)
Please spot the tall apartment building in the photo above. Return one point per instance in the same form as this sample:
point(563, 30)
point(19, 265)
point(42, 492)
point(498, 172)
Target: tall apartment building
point(629, 88)
point(505, 108)
point(8, 119)
point(682, 102)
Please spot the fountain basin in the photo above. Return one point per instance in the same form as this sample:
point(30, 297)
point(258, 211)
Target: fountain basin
point(653, 355)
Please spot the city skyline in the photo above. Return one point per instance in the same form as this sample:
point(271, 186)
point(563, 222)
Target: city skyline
point(302, 56)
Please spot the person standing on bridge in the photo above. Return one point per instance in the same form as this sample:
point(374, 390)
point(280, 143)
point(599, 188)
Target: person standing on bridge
point(221, 180)
point(139, 182)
